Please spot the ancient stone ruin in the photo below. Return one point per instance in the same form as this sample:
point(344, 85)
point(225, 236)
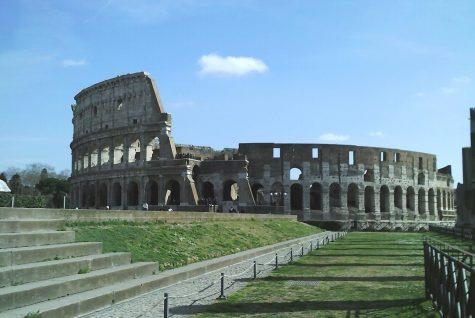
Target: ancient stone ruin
point(123, 155)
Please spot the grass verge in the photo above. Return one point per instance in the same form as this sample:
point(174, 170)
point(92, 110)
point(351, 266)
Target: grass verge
point(175, 245)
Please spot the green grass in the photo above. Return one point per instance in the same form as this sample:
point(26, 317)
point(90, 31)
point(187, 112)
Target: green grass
point(175, 245)
point(362, 275)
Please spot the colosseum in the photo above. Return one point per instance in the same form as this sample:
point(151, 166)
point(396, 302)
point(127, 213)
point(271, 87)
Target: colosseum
point(124, 155)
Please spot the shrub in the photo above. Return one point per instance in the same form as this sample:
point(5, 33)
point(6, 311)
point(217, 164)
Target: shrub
point(23, 201)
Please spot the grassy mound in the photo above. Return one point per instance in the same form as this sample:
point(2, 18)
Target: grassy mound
point(175, 245)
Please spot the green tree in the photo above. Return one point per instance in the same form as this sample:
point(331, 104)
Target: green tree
point(44, 174)
point(15, 184)
point(55, 187)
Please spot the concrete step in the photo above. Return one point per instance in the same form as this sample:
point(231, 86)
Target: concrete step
point(29, 225)
point(26, 213)
point(27, 273)
point(32, 254)
point(31, 293)
point(8, 240)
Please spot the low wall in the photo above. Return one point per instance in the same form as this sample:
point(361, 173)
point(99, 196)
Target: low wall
point(130, 215)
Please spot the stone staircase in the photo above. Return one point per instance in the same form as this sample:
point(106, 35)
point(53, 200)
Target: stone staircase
point(43, 270)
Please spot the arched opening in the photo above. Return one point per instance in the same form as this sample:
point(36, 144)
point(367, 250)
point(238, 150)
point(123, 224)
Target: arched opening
point(353, 196)
point(94, 158)
point(421, 201)
point(369, 175)
point(104, 155)
point(444, 201)
point(92, 196)
point(134, 151)
point(207, 192)
point(296, 174)
point(431, 201)
point(172, 194)
point(421, 178)
point(384, 199)
point(85, 161)
point(116, 194)
point(118, 152)
point(369, 199)
point(277, 194)
point(258, 193)
point(410, 199)
point(153, 149)
point(316, 197)
point(335, 195)
point(296, 194)
point(230, 191)
point(152, 192)
point(132, 194)
point(398, 197)
point(195, 173)
point(102, 195)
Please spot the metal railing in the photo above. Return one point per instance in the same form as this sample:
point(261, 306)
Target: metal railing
point(257, 269)
point(449, 279)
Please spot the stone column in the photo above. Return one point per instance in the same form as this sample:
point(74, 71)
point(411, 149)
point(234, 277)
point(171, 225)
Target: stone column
point(80, 203)
point(142, 197)
point(416, 205)
point(325, 199)
point(404, 204)
point(111, 153)
point(97, 194)
point(126, 151)
point(143, 149)
point(377, 204)
point(109, 192)
point(124, 194)
point(306, 197)
point(391, 204)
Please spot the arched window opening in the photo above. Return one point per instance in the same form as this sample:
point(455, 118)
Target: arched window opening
point(277, 194)
point(195, 173)
point(369, 175)
point(398, 197)
point(296, 174)
point(102, 195)
point(316, 197)
point(172, 194)
point(431, 201)
point(134, 151)
point(421, 179)
point(94, 158)
point(132, 194)
point(335, 195)
point(258, 193)
point(410, 199)
point(384, 199)
point(104, 155)
point(296, 194)
point(207, 192)
point(118, 153)
point(116, 194)
point(230, 191)
point(152, 193)
point(85, 161)
point(353, 196)
point(421, 201)
point(153, 149)
point(369, 199)
point(92, 196)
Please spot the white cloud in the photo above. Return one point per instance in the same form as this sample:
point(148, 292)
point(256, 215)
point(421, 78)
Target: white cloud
point(334, 137)
point(420, 94)
point(73, 63)
point(461, 80)
point(378, 134)
point(213, 64)
point(456, 84)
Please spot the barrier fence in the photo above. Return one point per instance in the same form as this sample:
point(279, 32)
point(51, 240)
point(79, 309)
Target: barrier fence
point(257, 268)
point(463, 233)
point(449, 279)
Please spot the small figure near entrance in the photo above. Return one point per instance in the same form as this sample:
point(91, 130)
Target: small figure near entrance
point(145, 206)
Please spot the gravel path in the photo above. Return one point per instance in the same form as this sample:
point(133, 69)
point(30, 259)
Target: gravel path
point(204, 289)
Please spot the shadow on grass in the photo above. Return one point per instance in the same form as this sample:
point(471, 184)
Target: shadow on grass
point(294, 306)
point(421, 264)
point(344, 278)
point(369, 248)
point(369, 255)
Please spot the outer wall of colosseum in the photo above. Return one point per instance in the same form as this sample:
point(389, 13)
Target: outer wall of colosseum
point(123, 155)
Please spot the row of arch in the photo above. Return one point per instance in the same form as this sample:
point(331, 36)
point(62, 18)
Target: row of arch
point(115, 154)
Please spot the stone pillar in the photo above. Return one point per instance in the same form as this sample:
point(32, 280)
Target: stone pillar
point(377, 204)
point(109, 192)
point(306, 197)
point(79, 201)
point(143, 150)
point(325, 199)
point(142, 196)
point(124, 194)
point(97, 194)
point(126, 151)
point(99, 158)
point(416, 205)
point(111, 153)
point(392, 213)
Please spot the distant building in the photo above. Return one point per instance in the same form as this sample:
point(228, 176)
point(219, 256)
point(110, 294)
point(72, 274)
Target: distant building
point(466, 191)
point(4, 187)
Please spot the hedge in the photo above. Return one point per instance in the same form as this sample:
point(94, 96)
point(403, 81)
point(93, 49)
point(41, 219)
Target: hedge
point(23, 201)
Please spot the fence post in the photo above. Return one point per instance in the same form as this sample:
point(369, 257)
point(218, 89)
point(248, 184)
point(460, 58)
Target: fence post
point(471, 294)
point(311, 246)
point(221, 296)
point(165, 306)
point(276, 261)
point(318, 245)
point(255, 270)
point(426, 269)
point(301, 251)
point(13, 201)
point(291, 254)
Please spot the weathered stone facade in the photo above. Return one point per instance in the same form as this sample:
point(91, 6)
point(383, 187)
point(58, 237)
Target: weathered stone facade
point(466, 191)
point(123, 155)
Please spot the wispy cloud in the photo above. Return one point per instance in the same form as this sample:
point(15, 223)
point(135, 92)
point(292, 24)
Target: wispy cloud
point(378, 134)
point(182, 104)
point(455, 85)
point(73, 62)
point(213, 64)
point(332, 137)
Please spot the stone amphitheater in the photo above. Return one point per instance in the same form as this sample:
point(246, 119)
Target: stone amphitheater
point(124, 155)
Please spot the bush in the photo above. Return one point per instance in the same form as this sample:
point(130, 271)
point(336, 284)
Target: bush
point(23, 201)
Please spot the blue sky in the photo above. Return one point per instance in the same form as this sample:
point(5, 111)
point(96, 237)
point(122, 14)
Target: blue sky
point(397, 74)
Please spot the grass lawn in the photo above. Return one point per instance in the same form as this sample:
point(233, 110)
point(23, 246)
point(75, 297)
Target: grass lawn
point(175, 245)
point(362, 275)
